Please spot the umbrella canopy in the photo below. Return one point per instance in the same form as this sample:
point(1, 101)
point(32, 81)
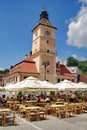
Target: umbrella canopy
point(66, 85)
point(81, 86)
point(13, 87)
point(32, 84)
point(28, 82)
point(47, 85)
point(2, 88)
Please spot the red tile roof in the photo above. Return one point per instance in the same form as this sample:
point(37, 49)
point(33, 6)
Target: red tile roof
point(83, 78)
point(25, 66)
point(63, 70)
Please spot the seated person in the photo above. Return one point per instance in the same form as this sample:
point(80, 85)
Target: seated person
point(73, 98)
point(39, 99)
point(79, 100)
point(47, 99)
point(1, 102)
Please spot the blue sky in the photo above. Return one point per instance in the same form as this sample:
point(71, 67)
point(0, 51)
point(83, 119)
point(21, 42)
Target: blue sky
point(19, 17)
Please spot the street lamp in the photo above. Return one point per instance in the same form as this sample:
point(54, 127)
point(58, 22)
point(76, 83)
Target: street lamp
point(45, 64)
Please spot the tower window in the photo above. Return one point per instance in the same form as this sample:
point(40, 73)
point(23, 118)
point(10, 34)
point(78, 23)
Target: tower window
point(47, 71)
point(35, 50)
point(48, 63)
point(47, 41)
point(47, 51)
point(58, 80)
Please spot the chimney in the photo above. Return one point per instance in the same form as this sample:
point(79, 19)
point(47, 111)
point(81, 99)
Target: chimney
point(30, 53)
point(58, 63)
point(26, 56)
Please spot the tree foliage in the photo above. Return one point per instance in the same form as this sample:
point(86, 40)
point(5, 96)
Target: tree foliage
point(82, 65)
point(4, 71)
point(72, 61)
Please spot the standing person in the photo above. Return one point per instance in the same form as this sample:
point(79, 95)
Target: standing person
point(73, 98)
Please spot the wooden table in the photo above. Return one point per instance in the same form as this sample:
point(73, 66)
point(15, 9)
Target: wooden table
point(35, 112)
point(54, 106)
point(2, 113)
point(5, 110)
point(12, 104)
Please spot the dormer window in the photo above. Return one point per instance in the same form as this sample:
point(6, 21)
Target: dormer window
point(73, 70)
point(58, 71)
point(47, 23)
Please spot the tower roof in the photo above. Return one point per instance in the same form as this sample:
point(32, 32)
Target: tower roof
point(44, 20)
point(44, 14)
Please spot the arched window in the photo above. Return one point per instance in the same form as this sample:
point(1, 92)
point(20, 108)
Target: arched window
point(48, 63)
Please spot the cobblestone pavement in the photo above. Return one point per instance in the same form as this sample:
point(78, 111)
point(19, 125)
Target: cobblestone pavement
point(79, 122)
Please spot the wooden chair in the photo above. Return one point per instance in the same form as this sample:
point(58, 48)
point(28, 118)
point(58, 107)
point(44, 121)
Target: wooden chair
point(42, 113)
point(48, 110)
point(9, 118)
point(11, 105)
point(56, 111)
point(84, 107)
point(1, 118)
point(21, 112)
point(32, 115)
point(61, 112)
point(79, 108)
point(70, 110)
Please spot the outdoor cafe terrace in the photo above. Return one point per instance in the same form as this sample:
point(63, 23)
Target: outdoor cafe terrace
point(37, 105)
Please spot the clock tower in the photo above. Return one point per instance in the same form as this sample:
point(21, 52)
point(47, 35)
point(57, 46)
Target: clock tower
point(44, 48)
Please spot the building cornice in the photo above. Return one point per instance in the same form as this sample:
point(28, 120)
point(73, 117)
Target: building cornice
point(43, 25)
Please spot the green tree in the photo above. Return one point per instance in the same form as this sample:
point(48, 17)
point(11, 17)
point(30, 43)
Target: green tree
point(4, 71)
point(72, 61)
point(82, 65)
point(1, 71)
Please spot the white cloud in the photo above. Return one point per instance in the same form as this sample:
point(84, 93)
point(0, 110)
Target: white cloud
point(77, 29)
point(68, 52)
point(1, 68)
point(57, 58)
point(74, 56)
point(83, 58)
point(83, 1)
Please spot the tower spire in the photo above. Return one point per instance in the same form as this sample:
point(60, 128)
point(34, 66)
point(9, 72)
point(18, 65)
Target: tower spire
point(44, 8)
point(44, 14)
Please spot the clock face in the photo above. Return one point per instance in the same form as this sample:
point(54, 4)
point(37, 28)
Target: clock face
point(47, 32)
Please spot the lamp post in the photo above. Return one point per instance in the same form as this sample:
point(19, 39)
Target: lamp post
point(45, 64)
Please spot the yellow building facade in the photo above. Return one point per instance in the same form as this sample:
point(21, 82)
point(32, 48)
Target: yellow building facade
point(41, 63)
point(44, 48)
